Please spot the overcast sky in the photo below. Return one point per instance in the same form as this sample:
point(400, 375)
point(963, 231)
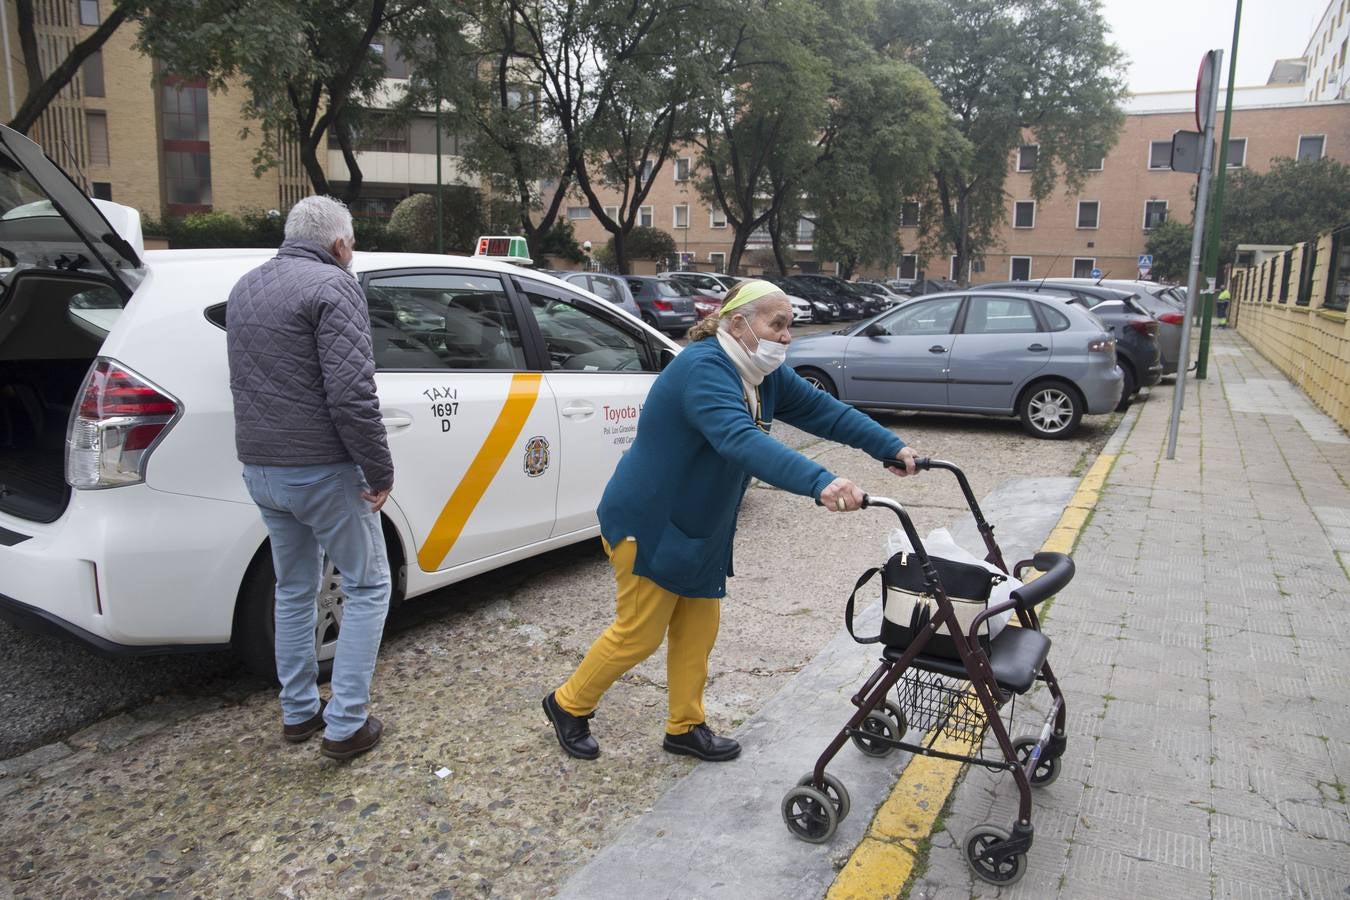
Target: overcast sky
point(1165, 39)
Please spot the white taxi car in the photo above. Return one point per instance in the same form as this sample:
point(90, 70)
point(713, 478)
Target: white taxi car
point(509, 397)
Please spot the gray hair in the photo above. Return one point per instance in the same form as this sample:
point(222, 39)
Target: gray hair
point(322, 220)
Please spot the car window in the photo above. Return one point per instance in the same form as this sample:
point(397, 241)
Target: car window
point(1054, 319)
point(443, 321)
point(1000, 315)
point(97, 309)
point(603, 287)
point(669, 289)
point(929, 317)
point(636, 285)
point(579, 340)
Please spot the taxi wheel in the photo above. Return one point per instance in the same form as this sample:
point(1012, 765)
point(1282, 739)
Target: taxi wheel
point(255, 623)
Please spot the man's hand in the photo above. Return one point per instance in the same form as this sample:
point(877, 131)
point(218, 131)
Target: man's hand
point(375, 498)
point(908, 455)
point(841, 495)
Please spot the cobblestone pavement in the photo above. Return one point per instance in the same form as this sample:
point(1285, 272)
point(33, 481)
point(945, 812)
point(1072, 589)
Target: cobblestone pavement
point(1202, 648)
point(200, 796)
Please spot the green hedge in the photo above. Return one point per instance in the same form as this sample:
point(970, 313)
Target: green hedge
point(252, 228)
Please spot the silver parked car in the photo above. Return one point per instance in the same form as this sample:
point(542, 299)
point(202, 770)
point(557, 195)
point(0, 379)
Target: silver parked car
point(993, 352)
point(607, 287)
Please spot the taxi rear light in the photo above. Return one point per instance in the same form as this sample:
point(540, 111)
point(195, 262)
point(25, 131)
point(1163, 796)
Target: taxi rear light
point(117, 423)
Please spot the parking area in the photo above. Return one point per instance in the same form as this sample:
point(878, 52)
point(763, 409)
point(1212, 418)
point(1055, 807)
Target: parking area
point(459, 683)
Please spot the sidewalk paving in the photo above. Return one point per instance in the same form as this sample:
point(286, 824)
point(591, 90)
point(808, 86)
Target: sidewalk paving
point(1202, 648)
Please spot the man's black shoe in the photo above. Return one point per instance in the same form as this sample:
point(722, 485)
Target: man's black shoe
point(701, 742)
point(574, 732)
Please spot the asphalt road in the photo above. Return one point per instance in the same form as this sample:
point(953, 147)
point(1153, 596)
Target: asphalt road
point(50, 688)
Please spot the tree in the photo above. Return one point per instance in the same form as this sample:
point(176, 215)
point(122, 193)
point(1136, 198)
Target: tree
point(617, 81)
point(44, 86)
point(497, 105)
point(1170, 245)
point(308, 65)
point(413, 221)
point(1010, 71)
point(646, 243)
point(1289, 204)
point(887, 128)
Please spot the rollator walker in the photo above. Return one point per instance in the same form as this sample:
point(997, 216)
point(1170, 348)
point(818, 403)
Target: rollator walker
point(953, 685)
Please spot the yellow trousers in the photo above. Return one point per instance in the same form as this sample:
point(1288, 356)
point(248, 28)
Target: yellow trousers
point(646, 613)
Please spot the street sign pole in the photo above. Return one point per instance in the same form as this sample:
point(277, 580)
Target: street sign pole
point(1205, 106)
point(1216, 223)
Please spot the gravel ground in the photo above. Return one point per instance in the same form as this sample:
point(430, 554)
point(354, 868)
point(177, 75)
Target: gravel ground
point(218, 805)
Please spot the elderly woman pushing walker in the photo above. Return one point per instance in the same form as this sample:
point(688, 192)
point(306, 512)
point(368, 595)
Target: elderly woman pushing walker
point(668, 516)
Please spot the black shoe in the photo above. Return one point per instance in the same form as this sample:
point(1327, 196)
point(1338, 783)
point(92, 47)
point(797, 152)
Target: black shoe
point(574, 732)
point(701, 742)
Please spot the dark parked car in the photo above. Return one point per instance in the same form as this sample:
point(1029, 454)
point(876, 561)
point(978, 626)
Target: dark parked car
point(663, 305)
point(850, 307)
point(847, 295)
point(822, 308)
point(992, 352)
point(1167, 304)
point(1135, 330)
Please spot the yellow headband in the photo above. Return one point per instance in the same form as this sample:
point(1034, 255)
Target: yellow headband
point(749, 292)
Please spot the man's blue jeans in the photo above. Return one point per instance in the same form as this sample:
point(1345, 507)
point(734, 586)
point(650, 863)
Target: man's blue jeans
point(310, 510)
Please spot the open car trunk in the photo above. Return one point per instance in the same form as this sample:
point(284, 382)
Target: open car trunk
point(53, 327)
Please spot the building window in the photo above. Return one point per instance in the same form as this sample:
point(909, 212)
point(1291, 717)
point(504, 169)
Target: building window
point(1083, 266)
point(395, 66)
point(806, 230)
point(612, 212)
point(682, 215)
point(1338, 280)
point(1155, 213)
point(1019, 268)
point(89, 12)
point(645, 171)
point(909, 266)
point(578, 212)
point(1026, 157)
point(1311, 146)
point(977, 265)
point(1101, 164)
point(187, 178)
point(645, 217)
point(717, 218)
point(682, 168)
point(92, 71)
point(1089, 213)
point(382, 134)
point(909, 214)
point(185, 115)
point(1237, 153)
point(1160, 155)
point(719, 262)
point(1024, 214)
point(101, 190)
point(96, 127)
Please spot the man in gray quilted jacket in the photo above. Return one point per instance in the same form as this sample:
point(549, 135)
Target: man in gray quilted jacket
point(317, 463)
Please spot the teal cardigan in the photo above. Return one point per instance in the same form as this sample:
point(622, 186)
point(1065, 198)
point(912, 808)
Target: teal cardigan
point(678, 488)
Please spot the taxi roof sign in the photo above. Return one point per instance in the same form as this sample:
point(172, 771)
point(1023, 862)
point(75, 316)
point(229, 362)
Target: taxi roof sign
point(504, 248)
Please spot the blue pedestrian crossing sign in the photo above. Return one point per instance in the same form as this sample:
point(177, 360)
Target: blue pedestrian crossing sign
point(1096, 273)
point(1146, 260)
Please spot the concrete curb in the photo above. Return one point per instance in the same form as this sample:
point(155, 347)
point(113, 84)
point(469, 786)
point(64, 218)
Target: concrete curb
point(894, 851)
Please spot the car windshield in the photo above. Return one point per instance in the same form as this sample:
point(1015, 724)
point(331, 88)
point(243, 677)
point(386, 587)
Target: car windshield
point(671, 289)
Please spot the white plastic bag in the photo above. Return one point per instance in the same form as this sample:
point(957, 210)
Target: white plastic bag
point(939, 542)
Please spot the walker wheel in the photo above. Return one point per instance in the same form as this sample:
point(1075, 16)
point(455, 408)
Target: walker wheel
point(979, 842)
point(884, 727)
point(810, 814)
point(1047, 767)
point(834, 789)
point(897, 713)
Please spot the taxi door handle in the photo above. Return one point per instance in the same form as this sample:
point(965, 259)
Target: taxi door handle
point(396, 421)
point(1038, 348)
point(937, 348)
point(579, 410)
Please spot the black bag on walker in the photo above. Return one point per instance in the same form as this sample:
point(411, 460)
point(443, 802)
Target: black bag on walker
point(907, 607)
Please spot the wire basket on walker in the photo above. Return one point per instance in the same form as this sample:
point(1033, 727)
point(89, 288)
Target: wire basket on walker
point(954, 683)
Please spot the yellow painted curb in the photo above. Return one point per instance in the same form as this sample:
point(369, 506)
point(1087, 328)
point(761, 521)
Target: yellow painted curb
point(883, 863)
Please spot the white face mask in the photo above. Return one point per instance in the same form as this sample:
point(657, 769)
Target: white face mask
point(769, 355)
